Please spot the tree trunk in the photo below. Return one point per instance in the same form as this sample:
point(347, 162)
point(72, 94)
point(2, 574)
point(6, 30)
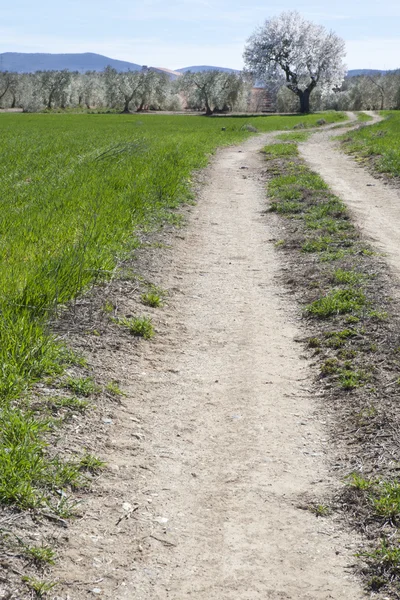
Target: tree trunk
point(126, 106)
point(209, 111)
point(140, 107)
point(50, 100)
point(5, 91)
point(304, 101)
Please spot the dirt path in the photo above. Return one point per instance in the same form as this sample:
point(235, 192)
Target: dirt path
point(219, 442)
point(374, 203)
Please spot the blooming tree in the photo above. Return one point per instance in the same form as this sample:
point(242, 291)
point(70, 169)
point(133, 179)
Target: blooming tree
point(138, 88)
point(53, 85)
point(212, 89)
point(300, 53)
point(7, 83)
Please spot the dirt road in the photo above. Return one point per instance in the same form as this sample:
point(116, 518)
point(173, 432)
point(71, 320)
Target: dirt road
point(218, 446)
point(375, 205)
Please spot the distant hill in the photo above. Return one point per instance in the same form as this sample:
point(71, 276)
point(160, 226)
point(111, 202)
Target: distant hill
point(24, 62)
point(356, 72)
point(29, 63)
point(206, 68)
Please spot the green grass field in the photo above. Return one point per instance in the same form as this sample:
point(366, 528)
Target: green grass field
point(363, 117)
point(380, 143)
point(76, 190)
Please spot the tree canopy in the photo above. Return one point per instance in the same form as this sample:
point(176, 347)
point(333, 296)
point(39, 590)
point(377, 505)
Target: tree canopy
point(299, 52)
point(213, 90)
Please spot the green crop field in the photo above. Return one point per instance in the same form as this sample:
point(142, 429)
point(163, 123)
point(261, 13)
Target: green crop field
point(380, 143)
point(76, 190)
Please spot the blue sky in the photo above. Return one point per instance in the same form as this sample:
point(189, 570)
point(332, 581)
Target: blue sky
point(192, 32)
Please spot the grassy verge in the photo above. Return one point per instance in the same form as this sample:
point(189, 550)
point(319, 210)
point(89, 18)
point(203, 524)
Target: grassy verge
point(363, 117)
point(378, 145)
point(352, 332)
point(295, 136)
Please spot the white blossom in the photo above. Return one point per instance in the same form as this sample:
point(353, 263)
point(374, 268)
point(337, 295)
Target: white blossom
point(299, 53)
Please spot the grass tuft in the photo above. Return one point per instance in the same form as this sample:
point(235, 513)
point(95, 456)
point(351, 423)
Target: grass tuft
point(39, 587)
point(295, 136)
point(113, 389)
point(337, 302)
point(39, 555)
point(277, 150)
point(91, 463)
point(83, 386)
point(70, 402)
point(151, 299)
point(347, 277)
point(138, 326)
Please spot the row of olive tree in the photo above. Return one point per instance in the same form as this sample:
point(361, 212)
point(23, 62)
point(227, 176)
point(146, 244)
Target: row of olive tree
point(124, 91)
point(367, 92)
point(63, 89)
point(362, 92)
point(216, 90)
point(211, 91)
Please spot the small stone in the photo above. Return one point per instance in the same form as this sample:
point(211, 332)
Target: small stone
point(96, 591)
point(127, 506)
point(161, 520)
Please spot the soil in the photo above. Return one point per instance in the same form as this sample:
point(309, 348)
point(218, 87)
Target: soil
point(217, 455)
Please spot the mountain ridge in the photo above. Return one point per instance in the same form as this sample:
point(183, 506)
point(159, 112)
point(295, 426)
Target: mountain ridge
point(27, 62)
point(199, 68)
point(30, 62)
